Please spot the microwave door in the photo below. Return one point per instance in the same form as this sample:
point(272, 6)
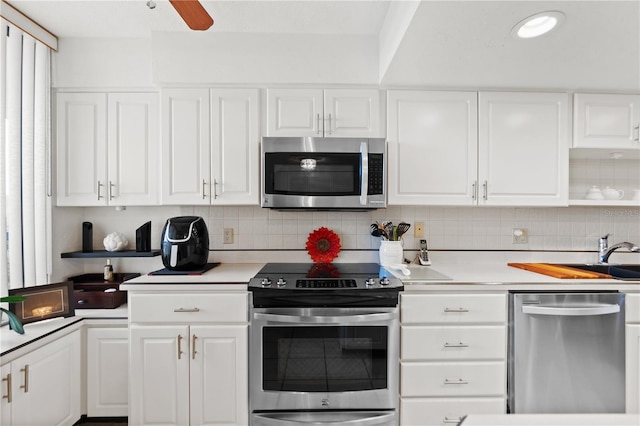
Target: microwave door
point(364, 167)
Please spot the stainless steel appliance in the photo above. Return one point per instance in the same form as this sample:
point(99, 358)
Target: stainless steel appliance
point(185, 243)
point(566, 353)
point(324, 173)
point(324, 345)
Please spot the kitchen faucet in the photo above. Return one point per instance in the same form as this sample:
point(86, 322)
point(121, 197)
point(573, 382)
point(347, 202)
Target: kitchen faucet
point(604, 251)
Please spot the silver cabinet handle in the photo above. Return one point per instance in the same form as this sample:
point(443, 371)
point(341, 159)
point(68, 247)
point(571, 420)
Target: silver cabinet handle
point(100, 185)
point(111, 185)
point(453, 421)
point(456, 310)
point(474, 190)
point(318, 122)
point(25, 370)
point(8, 395)
point(193, 346)
point(215, 192)
point(484, 190)
point(179, 347)
point(455, 345)
point(329, 132)
point(455, 382)
point(637, 129)
point(204, 183)
point(186, 310)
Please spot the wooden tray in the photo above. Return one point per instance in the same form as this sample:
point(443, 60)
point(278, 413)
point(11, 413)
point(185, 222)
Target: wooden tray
point(558, 271)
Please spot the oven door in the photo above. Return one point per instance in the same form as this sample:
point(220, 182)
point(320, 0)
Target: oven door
point(324, 359)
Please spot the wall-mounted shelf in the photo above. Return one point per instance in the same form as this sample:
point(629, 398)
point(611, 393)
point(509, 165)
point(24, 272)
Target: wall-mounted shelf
point(105, 254)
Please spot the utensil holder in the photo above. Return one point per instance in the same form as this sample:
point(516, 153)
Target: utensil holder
point(391, 252)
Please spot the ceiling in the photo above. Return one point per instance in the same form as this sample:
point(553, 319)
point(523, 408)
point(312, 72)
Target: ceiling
point(447, 43)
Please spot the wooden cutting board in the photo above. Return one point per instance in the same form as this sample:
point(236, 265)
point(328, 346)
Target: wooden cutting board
point(558, 271)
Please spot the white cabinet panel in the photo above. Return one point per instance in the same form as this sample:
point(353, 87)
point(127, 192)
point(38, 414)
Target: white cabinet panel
point(189, 308)
point(446, 411)
point(606, 121)
point(453, 309)
point(107, 372)
point(432, 147)
point(295, 112)
point(434, 343)
point(523, 147)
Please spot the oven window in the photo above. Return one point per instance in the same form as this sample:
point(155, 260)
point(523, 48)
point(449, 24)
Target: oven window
point(313, 174)
point(324, 359)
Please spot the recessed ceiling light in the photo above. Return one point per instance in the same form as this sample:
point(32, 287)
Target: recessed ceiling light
point(538, 24)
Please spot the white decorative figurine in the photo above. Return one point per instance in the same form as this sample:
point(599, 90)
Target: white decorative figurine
point(115, 241)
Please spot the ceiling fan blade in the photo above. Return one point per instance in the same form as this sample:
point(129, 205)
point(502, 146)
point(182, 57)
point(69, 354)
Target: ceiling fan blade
point(193, 13)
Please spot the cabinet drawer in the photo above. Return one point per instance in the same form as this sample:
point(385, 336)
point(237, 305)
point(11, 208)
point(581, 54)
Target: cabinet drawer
point(430, 343)
point(453, 308)
point(446, 411)
point(188, 308)
point(453, 379)
point(632, 307)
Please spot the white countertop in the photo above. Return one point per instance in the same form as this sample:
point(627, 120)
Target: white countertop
point(552, 420)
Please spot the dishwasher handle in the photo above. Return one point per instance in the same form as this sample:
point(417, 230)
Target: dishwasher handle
point(572, 311)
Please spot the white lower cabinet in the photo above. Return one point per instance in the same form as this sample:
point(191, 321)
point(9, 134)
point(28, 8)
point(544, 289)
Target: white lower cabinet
point(452, 357)
point(632, 302)
point(107, 371)
point(42, 388)
point(188, 360)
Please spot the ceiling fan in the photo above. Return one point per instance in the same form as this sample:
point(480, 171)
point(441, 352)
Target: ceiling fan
point(193, 14)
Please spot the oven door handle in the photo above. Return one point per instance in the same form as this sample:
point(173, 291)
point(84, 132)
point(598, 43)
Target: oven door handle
point(364, 167)
point(321, 319)
point(343, 419)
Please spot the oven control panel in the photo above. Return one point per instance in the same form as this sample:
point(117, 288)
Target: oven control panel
point(289, 283)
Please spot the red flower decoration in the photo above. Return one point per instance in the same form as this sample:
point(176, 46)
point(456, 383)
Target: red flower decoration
point(323, 245)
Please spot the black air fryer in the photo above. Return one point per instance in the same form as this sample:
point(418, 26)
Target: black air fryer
point(185, 243)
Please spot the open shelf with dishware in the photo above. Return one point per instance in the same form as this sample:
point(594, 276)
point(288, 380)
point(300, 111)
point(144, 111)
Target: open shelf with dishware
point(602, 178)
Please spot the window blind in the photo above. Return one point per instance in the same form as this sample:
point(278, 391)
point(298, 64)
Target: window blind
point(25, 205)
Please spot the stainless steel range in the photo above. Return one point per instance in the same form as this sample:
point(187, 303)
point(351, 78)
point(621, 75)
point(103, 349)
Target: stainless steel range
point(324, 344)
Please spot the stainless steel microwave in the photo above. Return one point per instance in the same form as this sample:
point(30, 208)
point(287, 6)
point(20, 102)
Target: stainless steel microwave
point(324, 173)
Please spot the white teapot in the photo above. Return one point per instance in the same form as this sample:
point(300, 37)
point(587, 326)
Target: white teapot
point(612, 194)
point(594, 193)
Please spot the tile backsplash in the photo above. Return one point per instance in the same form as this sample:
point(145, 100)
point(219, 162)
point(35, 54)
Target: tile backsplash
point(445, 228)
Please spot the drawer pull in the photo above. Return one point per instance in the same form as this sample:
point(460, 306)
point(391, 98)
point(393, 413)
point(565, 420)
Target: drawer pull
point(455, 345)
point(193, 347)
point(187, 310)
point(456, 310)
point(8, 395)
point(179, 347)
point(455, 382)
point(452, 421)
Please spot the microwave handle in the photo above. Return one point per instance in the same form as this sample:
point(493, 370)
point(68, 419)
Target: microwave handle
point(364, 166)
point(321, 319)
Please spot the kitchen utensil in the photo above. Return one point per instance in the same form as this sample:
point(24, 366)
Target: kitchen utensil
point(594, 193)
point(401, 229)
point(612, 194)
point(375, 231)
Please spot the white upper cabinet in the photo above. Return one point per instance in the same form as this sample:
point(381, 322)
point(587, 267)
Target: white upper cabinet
point(210, 146)
point(523, 147)
point(606, 121)
point(107, 149)
point(432, 147)
point(461, 148)
point(328, 113)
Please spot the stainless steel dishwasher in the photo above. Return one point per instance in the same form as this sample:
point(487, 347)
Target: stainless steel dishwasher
point(566, 353)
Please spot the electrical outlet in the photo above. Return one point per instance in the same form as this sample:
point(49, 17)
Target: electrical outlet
point(418, 230)
point(520, 236)
point(228, 236)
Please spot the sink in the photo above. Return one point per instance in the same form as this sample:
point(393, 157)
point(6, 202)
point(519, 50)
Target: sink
point(623, 271)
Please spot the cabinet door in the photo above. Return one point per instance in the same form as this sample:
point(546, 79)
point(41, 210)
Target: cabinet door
point(295, 112)
point(81, 143)
point(6, 392)
point(159, 381)
point(186, 145)
point(133, 149)
point(606, 121)
point(219, 376)
point(46, 384)
point(633, 368)
point(235, 143)
point(523, 149)
point(432, 147)
point(107, 372)
point(352, 112)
